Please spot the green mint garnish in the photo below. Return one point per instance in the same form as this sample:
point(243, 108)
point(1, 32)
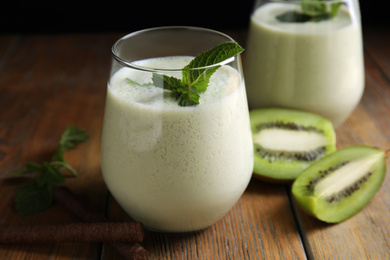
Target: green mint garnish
point(194, 81)
point(312, 11)
point(334, 8)
point(132, 82)
point(37, 195)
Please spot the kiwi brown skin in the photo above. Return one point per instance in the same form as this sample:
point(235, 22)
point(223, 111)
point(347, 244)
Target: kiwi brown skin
point(285, 166)
point(334, 210)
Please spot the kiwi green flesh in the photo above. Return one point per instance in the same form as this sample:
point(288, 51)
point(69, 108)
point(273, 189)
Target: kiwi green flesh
point(275, 143)
point(304, 138)
point(341, 184)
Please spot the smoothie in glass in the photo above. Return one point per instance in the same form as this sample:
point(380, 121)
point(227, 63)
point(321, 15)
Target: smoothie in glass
point(175, 168)
point(313, 66)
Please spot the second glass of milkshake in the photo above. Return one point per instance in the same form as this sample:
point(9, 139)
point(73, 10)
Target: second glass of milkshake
point(305, 55)
point(174, 168)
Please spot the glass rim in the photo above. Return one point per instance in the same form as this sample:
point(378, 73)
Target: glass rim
point(151, 69)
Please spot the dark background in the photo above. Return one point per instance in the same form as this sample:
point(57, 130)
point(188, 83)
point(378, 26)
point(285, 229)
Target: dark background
point(125, 16)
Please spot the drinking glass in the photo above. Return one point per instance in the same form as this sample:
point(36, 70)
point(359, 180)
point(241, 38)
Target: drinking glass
point(302, 57)
point(174, 168)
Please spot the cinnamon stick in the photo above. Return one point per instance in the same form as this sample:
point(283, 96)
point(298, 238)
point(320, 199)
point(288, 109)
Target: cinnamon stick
point(63, 196)
point(75, 232)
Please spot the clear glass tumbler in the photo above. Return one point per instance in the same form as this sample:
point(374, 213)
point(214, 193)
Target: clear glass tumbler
point(305, 55)
point(174, 168)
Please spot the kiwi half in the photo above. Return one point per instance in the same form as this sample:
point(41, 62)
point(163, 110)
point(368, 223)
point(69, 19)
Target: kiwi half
point(341, 184)
point(288, 141)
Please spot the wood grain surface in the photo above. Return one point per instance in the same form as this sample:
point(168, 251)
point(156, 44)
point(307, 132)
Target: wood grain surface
point(48, 82)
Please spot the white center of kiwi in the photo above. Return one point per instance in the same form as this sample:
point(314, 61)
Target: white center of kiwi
point(344, 176)
point(289, 140)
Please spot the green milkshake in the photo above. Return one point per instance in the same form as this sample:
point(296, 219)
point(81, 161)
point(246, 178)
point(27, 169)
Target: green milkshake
point(176, 168)
point(315, 66)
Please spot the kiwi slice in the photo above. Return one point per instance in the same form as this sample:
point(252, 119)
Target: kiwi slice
point(341, 184)
point(288, 141)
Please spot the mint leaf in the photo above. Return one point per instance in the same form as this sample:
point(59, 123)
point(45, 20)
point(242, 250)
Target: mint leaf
point(50, 174)
point(312, 11)
point(185, 96)
point(200, 77)
point(296, 17)
point(30, 168)
point(37, 195)
point(334, 8)
point(132, 82)
point(194, 81)
point(313, 7)
point(64, 165)
point(31, 198)
point(197, 80)
point(71, 137)
point(166, 82)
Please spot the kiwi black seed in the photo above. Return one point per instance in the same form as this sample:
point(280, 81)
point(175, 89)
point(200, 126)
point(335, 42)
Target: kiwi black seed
point(288, 141)
point(341, 184)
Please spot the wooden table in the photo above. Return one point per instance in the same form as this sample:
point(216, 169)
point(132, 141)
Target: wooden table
point(48, 82)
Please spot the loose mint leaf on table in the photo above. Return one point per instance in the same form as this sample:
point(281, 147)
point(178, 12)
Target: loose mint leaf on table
point(195, 81)
point(71, 137)
point(31, 198)
point(37, 195)
point(312, 11)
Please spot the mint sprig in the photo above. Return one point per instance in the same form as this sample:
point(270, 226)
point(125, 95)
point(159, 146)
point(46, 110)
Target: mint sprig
point(312, 11)
point(194, 81)
point(37, 195)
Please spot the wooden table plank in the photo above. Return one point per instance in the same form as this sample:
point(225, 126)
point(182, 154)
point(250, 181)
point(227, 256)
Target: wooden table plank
point(366, 235)
point(46, 84)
